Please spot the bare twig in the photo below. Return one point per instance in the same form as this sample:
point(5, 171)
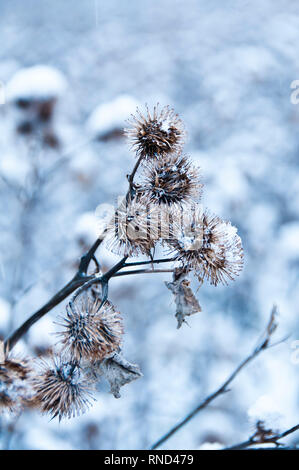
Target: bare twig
point(253, 440)
point(152, 261)
point(85, 259)
point(143, 271)
point(262, 345)
point(78, 280)
point(101, 279)
point(82, 281)
point(132, 175)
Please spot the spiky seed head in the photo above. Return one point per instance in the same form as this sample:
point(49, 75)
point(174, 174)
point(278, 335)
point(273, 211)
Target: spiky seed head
point(171, 181)
point(210, 247)
point(156, 133)
point(14, 384)
point(91, 331)
point(62, 388)
point(133, 229)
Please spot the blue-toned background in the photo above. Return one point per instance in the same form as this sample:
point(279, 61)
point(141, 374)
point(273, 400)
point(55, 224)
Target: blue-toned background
point(226, 68)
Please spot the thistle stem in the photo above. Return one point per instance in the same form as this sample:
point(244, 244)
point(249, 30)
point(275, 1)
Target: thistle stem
point(85, 259)
point(132, 175)
point(70, 287)
point(154, 261)
point(78, 280)
point(143, 271)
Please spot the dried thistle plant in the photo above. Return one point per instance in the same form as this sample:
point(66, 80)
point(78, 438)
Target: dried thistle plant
point(156, 134)
point(91, 330)
point(128, 232)
point(171, 181)
point(161, 207)
point(15, 388)
point(62, 388)
point(210, 247)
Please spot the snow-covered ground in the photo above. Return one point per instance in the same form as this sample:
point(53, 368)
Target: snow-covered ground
point(227, 68)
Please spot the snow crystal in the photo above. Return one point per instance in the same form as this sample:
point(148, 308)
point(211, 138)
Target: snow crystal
point(166, 124)
point(190, 243)
point(227, 229)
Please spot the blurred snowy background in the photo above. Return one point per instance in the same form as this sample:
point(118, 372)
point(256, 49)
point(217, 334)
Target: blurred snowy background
point(226, 67)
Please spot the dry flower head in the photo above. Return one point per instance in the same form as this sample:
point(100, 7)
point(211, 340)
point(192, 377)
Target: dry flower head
point(172, 180)
point(211, 247)
point(132, 230)
point(91, 330)
point(155, 134)
point(14, 383)
point(62, 388)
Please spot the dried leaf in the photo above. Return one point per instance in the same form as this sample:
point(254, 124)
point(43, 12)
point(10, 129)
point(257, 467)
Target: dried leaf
point(185, 300)
point(118, 371)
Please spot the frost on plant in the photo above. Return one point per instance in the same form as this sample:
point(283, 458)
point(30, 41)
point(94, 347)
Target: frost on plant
point(160, 210)
point(118, 372)
point(91, 329)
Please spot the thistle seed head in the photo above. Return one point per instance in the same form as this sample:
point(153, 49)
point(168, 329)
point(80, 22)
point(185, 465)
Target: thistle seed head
point(171, 181)
point(14, 384)
point(157, 133)
point(90, 330)
point(133, 229)
point(62, 388)
point(210, 247)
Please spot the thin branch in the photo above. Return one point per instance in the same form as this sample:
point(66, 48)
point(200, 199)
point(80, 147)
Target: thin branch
point(142, 271)
point(85, 260)
point(96, 279)
point(97, 264)
point(82, 281)
point(132, 175)
point(262, 345)
point(101, 279)
point(70, 287)
point(253, 441)
point(78, 280)
point(289, 431)
point(112, 272)
point(153, 261)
